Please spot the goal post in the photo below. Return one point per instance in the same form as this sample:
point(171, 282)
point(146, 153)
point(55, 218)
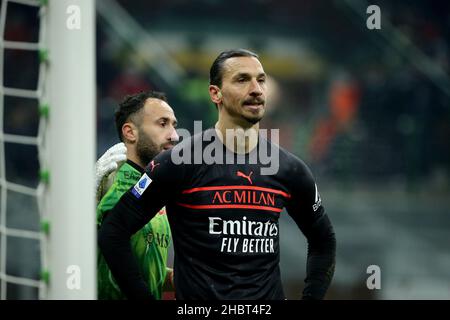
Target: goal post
point(70, 150)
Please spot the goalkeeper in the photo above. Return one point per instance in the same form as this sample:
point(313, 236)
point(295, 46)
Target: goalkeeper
point(146, 125)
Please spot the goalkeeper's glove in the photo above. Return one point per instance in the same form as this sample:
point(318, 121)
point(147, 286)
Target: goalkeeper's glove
point(110, 161)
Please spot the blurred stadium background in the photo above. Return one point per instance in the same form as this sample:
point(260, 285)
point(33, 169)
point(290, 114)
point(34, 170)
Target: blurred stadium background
point(368, 110)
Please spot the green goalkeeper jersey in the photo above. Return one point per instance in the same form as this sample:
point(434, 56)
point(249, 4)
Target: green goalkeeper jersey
point(150, 244)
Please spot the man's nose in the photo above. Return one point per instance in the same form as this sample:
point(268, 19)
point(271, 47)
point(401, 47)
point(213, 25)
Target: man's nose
point(174, 135)
point(255, 88)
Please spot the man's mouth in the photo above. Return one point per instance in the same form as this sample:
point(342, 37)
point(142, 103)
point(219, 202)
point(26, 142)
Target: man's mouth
point(168, 147)
point(254, 105)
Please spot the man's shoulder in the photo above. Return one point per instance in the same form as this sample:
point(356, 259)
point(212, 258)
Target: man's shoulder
point(119, 182)
point(128, 173)
point(288, 160)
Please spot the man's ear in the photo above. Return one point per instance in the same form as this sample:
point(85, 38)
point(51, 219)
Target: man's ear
point(129, 132)
point(215, 94)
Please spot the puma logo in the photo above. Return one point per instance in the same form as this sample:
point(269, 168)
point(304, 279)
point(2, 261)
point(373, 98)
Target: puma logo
point(153, 165)
point(243, 175)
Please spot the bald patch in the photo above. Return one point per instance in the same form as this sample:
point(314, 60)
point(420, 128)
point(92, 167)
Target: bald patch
point(151, 106)
point(154, 104)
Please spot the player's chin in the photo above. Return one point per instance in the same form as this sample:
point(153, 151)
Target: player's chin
point(165, 148)
point(254, 115)
point(253, 119)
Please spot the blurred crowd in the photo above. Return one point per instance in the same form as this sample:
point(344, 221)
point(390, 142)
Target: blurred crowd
point(358, 109)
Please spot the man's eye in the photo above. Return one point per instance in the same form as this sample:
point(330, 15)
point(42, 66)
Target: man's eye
point(262, 80)
point(241, 80)
point(163, 124)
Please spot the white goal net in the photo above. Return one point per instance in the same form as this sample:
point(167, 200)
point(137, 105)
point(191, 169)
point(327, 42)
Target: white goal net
point(47, 150)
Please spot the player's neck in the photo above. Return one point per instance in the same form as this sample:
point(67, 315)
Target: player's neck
point(236, 137)
point(131, 155)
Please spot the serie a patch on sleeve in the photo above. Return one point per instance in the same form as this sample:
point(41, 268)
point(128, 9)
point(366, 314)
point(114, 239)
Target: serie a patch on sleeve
point(141, 185)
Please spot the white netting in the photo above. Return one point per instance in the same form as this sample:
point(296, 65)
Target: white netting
point(39, 94)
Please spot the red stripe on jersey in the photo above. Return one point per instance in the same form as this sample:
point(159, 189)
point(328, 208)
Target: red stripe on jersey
point(228, 206)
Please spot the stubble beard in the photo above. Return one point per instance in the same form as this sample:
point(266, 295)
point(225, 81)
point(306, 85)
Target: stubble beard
point(146, 148)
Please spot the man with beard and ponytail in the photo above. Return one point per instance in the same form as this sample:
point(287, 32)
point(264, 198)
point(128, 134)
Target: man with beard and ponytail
point(146, 126)
point(224, 213)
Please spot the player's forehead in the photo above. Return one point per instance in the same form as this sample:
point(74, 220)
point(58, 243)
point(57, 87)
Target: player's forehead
point(242, 65)
point(155, 108)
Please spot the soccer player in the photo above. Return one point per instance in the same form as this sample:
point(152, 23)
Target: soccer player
point(146, 125)
point(224, 216)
